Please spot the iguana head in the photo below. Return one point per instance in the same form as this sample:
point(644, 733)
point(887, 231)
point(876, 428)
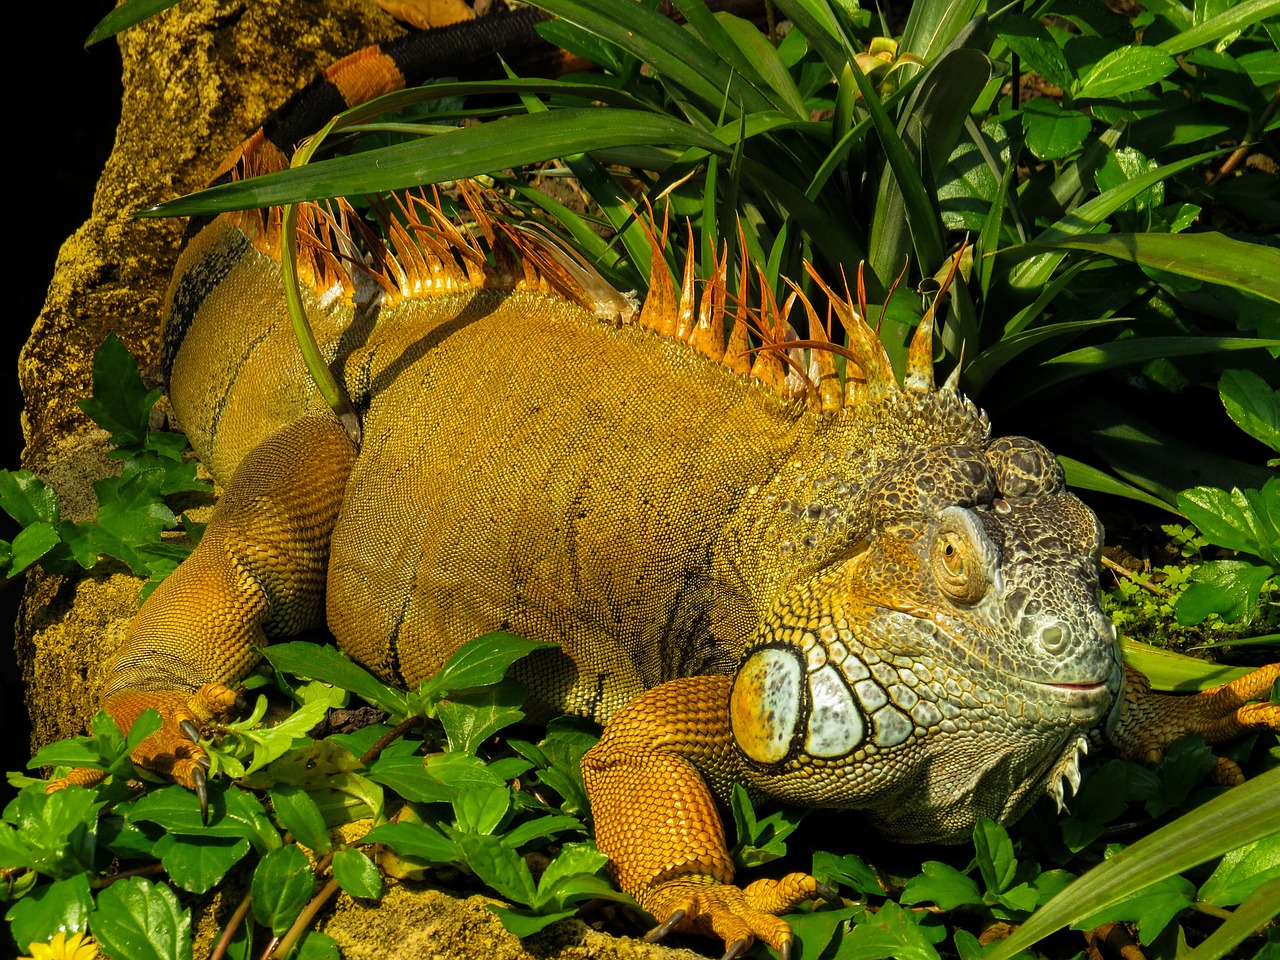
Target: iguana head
point(941, 657)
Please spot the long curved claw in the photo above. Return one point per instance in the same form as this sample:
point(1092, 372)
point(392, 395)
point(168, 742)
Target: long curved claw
point(199, 784)
point(661, 930)
point(827, 894)
point(735, 948)
point(190, 729)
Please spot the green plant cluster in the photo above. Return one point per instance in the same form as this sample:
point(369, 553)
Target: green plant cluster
point(76, 859)
point(132, 507)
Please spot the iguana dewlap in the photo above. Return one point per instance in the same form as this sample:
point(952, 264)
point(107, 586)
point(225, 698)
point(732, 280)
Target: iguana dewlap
point(840, 593)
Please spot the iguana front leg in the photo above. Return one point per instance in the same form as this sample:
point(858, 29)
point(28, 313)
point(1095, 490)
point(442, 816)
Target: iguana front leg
point(656, 820)
point(1147, 722)
point(258, 572)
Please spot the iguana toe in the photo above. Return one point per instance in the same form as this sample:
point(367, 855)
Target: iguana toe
point(1148, 722)
point(738, 916)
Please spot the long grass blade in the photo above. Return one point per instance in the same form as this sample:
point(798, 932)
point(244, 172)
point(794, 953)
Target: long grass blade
point(1241, 815)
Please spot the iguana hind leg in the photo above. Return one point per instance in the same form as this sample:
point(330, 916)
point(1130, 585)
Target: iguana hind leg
point(1148, 722)
point(656, 820)
point(258, 572)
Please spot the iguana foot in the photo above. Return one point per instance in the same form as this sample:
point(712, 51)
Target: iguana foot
point(1149, 722)
point(174, 750)
point(738, 916)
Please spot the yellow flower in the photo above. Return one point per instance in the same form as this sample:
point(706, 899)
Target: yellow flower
point(76, 947)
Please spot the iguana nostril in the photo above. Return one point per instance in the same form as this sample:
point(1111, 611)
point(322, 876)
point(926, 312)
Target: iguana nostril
point(1053, 638)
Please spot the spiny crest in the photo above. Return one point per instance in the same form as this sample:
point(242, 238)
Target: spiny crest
point(429, 252)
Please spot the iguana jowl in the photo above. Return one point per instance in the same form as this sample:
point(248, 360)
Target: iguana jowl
point(842, 593)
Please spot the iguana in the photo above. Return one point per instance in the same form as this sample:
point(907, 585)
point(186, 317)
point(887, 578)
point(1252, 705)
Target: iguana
point(839, 590)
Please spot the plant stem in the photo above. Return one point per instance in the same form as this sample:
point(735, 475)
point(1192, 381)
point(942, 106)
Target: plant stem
point(237, 918)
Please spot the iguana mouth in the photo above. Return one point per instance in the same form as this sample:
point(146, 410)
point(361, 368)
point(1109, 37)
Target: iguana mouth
point(1076, 695)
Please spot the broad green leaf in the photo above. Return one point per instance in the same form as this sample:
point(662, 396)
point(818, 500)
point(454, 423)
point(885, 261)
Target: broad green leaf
point(314, 945)
point(1084, 477)
point(120, 403)
point(481, 809)
point(471, 718)
point(357, 874)
point(498, 866)
point(890, 933)
point(525, 923)
point(480, 663)
point(848, 870)
point(1150, 909)
point(408, 777)
point(27, 498)
point(1229, 588)
point(560, 883)
point(317, 662)
point(282, 884)
point(141, 920)
point(1242, 871)
point(1246, 521)
point(942, 885)
point(1124, 71)
point(539, 828)
point(994, 852)
point(232, 813)
point(29, 546)
point(1052, 131)
point(50, 907)
point(301, 816)
point(1205, 256)
point(1240, 816)
point(415, 840)
point(56, 833)
point(197, 864)
point(1032, 42)
point(933, 26)
point(1251, 403)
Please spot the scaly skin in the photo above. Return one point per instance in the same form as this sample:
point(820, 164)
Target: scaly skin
point(840, 594)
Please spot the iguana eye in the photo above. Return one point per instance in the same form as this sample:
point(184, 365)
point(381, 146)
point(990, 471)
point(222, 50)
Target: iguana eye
point(958, 566)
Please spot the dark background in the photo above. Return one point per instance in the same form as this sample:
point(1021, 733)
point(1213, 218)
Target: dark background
point(61, 132)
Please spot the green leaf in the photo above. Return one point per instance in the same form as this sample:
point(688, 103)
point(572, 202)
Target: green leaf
point(1259, 908)
point(481, 809)
point(570, 876)
point(141, 920)
point(317, 662)
point(301, 816)
point(30, 545)
point(1251, 403)
point(125, 16)
point(994, 852)
point(197, 864)
point(1240, 816)
point(1033, 43)
point(464, 152)
point(1125, 70)
point(848, 870)
point(498, 866)
point(357, 874)
point(1151, 908)
point(1246, 521)
point(232, 813)
point(314, 945)
point(1168, 670)
point(525, 923)
point(479, 663)
point(50, 907)
point(415, 840)
point(27, 498)
point(1052, 132)
point(1235, 17)
point(942, 885)
point(890, 935)
point(1207, 256)
point(56, 833)
point(408, 777)
point(1242, 871)
point(1229, 588)
point(540, 828)
point(471, 718)
point(282, 884)
point(121, 404)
